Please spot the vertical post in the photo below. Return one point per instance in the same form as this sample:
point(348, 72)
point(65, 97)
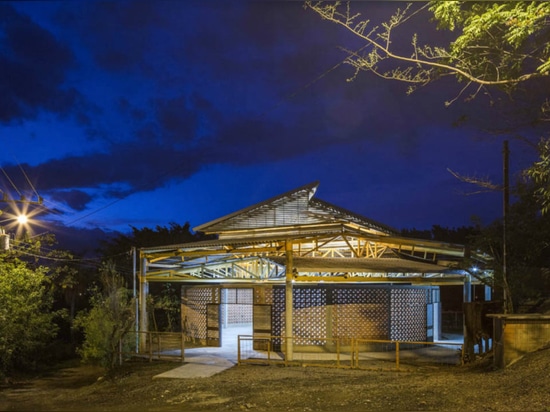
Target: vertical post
point(506, 204)
point(467, 289)
point(143, 292)
point(4, 239)
point(136, 300)
point(182, 346)
point(396, 355)
point(468, 319)
point(288, 301)
point(488, 293)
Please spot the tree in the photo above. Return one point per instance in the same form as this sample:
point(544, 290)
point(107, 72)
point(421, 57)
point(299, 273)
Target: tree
point(108, 321)
point(540, 173)
point(528, 252)
point(166, 306)
point(461, 235)
point(118, 248)
point(26, 319)
point(499, 44)
point(68, 276)
point(500, 48)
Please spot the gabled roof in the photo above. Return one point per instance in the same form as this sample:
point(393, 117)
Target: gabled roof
point(294, 208)
point(327, 243)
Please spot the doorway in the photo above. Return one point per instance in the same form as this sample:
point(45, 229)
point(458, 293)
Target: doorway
point(236, 315)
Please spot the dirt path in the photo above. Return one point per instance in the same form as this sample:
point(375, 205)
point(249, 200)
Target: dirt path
point(523, 386)
point(47, 391)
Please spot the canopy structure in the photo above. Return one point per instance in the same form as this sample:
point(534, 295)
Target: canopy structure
point(295, 252)
point(300, 238)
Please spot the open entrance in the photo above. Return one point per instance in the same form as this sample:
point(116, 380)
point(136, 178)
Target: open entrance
point(236, 314)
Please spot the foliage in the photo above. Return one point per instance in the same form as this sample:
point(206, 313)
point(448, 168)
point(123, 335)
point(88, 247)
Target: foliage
point(502, 43)
point(166, 309)
point(487, 46)
point(540, 173)
point(108, 321)
point(461, 235)
point(26, 319)
point(118, 249)
point(527, 249)
point(497, 43)
point(163, 299)
point(68, 275)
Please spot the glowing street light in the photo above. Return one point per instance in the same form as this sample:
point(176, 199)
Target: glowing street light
point(22, 219)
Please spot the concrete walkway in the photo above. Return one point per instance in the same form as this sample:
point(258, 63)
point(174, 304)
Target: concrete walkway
point(203, 362)
point(199, 366)
point(207, 361)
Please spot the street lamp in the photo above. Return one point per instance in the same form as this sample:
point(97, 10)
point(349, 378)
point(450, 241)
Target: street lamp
point(21, 219)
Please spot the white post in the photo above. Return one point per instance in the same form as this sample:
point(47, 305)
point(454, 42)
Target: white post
point(143, 293)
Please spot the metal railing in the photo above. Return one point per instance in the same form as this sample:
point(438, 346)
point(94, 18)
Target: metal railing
point(345, 352)
point(153, 345)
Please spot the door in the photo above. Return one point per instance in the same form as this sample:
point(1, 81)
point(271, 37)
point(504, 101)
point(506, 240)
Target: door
point(261, 326)
point(213, 335)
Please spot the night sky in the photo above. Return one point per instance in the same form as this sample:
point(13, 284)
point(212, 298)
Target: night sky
point(123, 114)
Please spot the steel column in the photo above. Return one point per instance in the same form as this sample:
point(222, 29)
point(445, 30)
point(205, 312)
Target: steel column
point(289, 301)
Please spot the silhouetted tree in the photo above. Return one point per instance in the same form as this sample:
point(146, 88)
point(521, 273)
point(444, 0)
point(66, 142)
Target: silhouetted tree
point(528, 249)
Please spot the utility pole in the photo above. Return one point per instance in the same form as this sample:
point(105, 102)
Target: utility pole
point(506, 206)
point(4, 240)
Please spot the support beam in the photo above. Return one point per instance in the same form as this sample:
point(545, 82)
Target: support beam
point(288, 300)
point(143, 293)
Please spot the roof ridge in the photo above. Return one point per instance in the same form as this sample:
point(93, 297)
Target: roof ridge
point(312, 187)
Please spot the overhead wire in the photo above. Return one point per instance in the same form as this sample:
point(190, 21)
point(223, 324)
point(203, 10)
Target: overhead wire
point(28, 180)
point(90, 262)
point(11, 181)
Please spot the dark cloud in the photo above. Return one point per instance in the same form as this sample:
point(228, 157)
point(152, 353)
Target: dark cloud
point(164, 90)
point(118, 34)
point(33, 65)
point(175, 119)
point(75, 199)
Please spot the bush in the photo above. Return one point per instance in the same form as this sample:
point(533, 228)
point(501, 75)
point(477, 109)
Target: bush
point(26, 319)
point(108, 321)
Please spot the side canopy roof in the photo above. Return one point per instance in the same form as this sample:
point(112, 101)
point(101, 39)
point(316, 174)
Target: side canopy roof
point(297, 207)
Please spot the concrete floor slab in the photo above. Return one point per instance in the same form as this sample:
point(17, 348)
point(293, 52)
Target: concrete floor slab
point(198, 367)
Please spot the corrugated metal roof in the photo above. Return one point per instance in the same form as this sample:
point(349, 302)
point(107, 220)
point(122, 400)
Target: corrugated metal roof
point(341, 214)
point(280, 210)
point(296, 207)
point(326, 240)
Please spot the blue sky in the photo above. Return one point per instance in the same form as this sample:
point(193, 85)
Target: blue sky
point(144, 113)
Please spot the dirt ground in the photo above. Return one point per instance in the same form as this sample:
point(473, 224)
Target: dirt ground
point(523, 386)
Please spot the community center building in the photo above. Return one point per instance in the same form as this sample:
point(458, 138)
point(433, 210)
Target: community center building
point(298, 267)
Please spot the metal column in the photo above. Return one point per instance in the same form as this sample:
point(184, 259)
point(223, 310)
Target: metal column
point(288, 300)
point(143, 293)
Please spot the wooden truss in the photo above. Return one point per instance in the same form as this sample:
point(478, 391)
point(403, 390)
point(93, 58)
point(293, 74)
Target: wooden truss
point(296, 236)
